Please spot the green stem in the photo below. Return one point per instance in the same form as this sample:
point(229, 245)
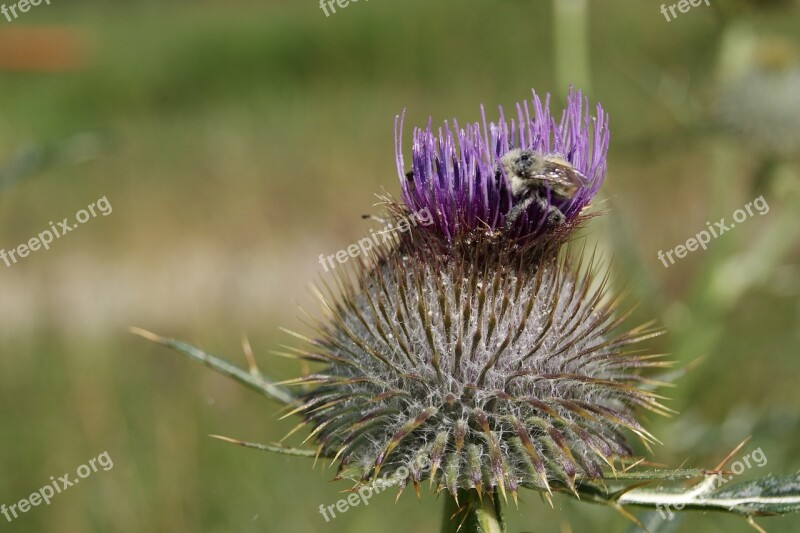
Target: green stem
point(571, 32)
point(472, 514)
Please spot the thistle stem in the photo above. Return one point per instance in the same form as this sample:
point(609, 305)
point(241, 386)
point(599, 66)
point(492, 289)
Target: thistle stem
point(571, 33)
point(471, 514)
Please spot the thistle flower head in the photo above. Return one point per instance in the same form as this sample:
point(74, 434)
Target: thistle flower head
point(457, 173)
point(457, 355)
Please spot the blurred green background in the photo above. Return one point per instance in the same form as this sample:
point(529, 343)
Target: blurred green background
point(236, 141)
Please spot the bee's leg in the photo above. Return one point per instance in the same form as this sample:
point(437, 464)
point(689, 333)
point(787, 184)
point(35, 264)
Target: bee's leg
point(514, 213)
point(554, 216)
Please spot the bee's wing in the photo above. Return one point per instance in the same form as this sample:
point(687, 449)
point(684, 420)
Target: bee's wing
point(564, 175)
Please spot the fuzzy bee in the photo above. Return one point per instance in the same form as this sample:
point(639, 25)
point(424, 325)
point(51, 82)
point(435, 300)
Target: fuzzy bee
point(531, 175)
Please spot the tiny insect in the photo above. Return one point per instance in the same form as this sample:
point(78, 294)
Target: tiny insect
point(410, 178)
point(531, 175)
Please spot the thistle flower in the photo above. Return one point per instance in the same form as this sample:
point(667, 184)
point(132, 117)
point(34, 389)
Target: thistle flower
point(456, 174)
point(478, 354)
point(493, 363)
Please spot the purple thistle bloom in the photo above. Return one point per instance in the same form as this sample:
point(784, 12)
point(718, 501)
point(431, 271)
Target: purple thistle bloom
point(467, 353)
point(456, 172)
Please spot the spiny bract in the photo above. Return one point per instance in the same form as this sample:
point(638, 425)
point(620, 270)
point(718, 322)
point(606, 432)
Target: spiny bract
point(474, 357)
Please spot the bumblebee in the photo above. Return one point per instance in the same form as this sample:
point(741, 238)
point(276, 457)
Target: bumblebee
point(531, 175)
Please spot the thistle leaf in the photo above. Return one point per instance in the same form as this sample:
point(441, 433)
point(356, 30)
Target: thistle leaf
point(274, 448)
point(773, 495)
point(255, 380)
point(769, 495)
